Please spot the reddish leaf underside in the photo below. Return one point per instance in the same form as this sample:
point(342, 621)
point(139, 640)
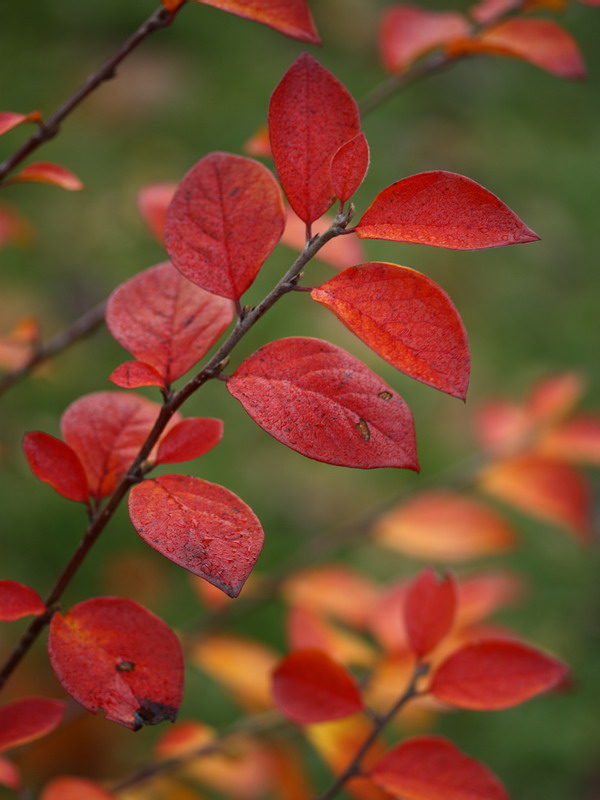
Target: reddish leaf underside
point(225, 218)
point(201, 526)
point(429, 611)
point(290, 17)
point(324, 403)
point(495, 674)
point(112, 653)
point(46, 172)
point(54, 462)
point(309, 686)
point(442, 209)
point(66, 787)
point(25, 720)
point(432, 768)
point(349, 166)
point(153, 201)
point(189, 439)
point(311, 115)
point(165, 320)
point(406, 318)
point(18, 600)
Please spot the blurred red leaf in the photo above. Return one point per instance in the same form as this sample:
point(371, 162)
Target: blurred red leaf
point(349, 166)
point(324, 403)
point(46, 172)
point(339, 252)
point(493, 674)
point(442, 209)
point(165, 320)
point(112, 653)
point(10, 119)
point(432, 768)
point(18, 600)
point(576, 440)
point(429, 611)
point(224, 220)
point(554, 396)
point(65, 787)
point(482, 595)
point(290, 17)
point(152, 202)
point(54, 462)
point(201, 526)
point(406, 318)
point(308, 628)
point(407, 32)
point(487, 11)
point(258, 144)
point(14, 228)
point(501, 426)
point(25, 720)
point(189, 439)
point(9, 775)
point(309, 686)
point(387, 619)
point(133, 374)
point(311, 115)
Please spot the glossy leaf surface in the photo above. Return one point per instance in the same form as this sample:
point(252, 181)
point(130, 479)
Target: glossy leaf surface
point(112, 653)
point(429, 610)
point(322, 402)
point(442, 209)
point(349, 166)
point(46, 172)
point(54, 462)
point(189, 439)
point(18, 600)
point(153, 201)
point(290, 17)
point(66, 787)
point(311, 115)
point(201, 526)
point(224, 220)
point(406, 318)
point(29, 719)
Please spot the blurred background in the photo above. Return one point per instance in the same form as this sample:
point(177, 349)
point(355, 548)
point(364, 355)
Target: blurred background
point(204, 85)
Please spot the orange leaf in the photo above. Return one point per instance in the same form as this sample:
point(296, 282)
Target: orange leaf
point(429, 610)
point(576, 440)
point(340, 252)
point(65, 787)
point(18, 600)
point(552, 398)
point(25, 720)
point(14, 228)
point(153, 201)
point(258, 144)
point(10, 119)
point(46, 172)
point(290, 17)
point(308, 629)
point(482, 595)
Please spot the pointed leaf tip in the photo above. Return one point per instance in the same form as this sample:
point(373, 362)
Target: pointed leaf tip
point(57, 464)
point(429, 611)
point(47, 172)
point(18, 600)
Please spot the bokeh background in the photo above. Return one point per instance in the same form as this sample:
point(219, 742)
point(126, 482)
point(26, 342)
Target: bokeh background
point(204, 85)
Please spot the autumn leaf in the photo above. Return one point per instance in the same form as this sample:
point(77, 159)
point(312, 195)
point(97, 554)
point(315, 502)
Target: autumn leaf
point(46, 172)
point(189, 439)
point(18, 600)
point(349, 166)
point(429, 611)
point(10, 119)
point(29, 719)
point(57, 464)
point(290, 17)
point(152, 202)
point(134, 374)
point(66, 787)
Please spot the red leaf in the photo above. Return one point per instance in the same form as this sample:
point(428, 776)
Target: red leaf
point(10, 119)
point(258, 145)
point(311, 115)
point(133, 374)
point(429, 610)
point(65, 787)
point(309, 686)
point(45, 172)
point(112, 653)
point(495, 674)
point(166, 321)
point(290, 17)
point(18, 600)
point(442, 209)
point(407, 32)
point(203, 527)
point(54, 462)
point(554, 396)
point(338, 252)
point(322, 402)
point(189, 439)
point(10, 775)
point(576, 440)
point(349, 166)
point(432, 768)
point(25, 720)
point(224, 220)
point(486, 11)
point(152, 202)
point(406, 318)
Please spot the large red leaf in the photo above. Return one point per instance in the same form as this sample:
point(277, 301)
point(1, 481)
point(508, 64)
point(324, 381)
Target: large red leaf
point(432, 768)
point(324, 403)
point(311, 115)
point(65, 787)
point(189, 439)
point(225, 218)
point(309, 686)
point(18, 600)
point(290, 17)
point(406, 318)
point(46, 172)
point(201, 526)
point(54, 462)
point(429, 610)
point(442, 209)
point(25, 720)
point(165, 320)
point(494, 674)
point(112, 653)
point(349, 166)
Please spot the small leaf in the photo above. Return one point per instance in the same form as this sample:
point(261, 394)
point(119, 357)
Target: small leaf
point(404, 317)
point(112, 653)
point(290, 17)
point(311, 115)
point(224, 220)
point(338, 252)
point(10, 119)
point(258, 145)
point(133, 374)
point(54, 462)
point(152, 202)
point(201, 526)
point(309, 686)
point(65, 787)
point(432, 768)
point(10, 775)
point(29, 719)
point(442, 209)
point(322, 402)
point(349, 166)
point(189, 439)
point(429, 610)
point(46, 172)
point(493, 674)
point(18, 600)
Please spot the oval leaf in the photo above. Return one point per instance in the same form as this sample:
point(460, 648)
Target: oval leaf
point(311, 115)
point(46, 172)
point(406, 318)
point(189, 439)
point(18, 600)
point(432, 768)
point(201, 526)
point(442, 209)
point(165, 320)
point(65, 787)
point(224, 220)
point(153, 202)
point(309, 686)
point(349, 166)
point(25, 720)
point(495, 674)
point(429, 611)
point(324, 403)
point(290, 17)
point(112, 653)
point(54, 462)
point(133, 374)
